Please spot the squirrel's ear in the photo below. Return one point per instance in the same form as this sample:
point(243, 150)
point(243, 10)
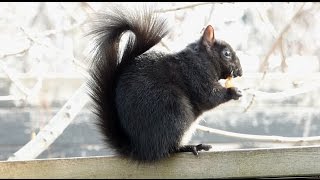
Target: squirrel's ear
point(208, 35)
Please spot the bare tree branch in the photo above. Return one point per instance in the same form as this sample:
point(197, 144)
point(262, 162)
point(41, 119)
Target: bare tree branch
point(87, 8)
point(265, 63)
point(207, 19)
point(183, 7)
point(250, 103)
point(165, 46)
point(22, 51)
point(284, 65)
point(298, 14)
point(261, 138)
point(284, 94)
point(54, 128)
point(71, 14)
point(61, 30)
point(33, 39)
point(62, 119)
point(265, 19)
point(42, 15)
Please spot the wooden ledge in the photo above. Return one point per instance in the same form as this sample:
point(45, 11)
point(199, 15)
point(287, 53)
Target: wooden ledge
point(276, 162)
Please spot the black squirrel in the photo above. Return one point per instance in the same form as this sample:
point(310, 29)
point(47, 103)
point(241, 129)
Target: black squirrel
point(145, 102)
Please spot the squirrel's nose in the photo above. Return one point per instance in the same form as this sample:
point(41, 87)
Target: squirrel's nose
point(238, 72)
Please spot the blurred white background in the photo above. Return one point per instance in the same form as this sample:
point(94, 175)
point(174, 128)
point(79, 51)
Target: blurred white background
point(44, 60)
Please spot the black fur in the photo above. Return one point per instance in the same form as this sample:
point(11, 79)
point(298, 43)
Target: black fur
point(146, 101)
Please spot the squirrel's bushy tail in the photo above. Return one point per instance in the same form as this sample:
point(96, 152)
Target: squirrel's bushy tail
point(147, 30)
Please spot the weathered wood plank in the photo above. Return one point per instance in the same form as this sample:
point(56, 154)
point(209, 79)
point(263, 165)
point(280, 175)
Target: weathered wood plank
point(300, 161)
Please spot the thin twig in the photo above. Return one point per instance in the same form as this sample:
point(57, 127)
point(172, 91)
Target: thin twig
point(209, 16)
point(33, 39)
point(284, 65)
point(22, 51)
point(71, 14)
point(26, 91)
point(165, 46)
point(298, 14)
point(42, 14)
point(284, 94)
point(182, 7)
point(250, 104)
point(56, 31)
point(265, 63)
point(261, 138)
point(87, 8)
point(266, 20)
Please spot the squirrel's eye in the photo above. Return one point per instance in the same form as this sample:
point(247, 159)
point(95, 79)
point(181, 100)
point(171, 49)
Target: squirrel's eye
point(227, 53)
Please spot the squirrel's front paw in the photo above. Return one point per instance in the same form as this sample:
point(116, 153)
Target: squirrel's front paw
point(235, 93)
